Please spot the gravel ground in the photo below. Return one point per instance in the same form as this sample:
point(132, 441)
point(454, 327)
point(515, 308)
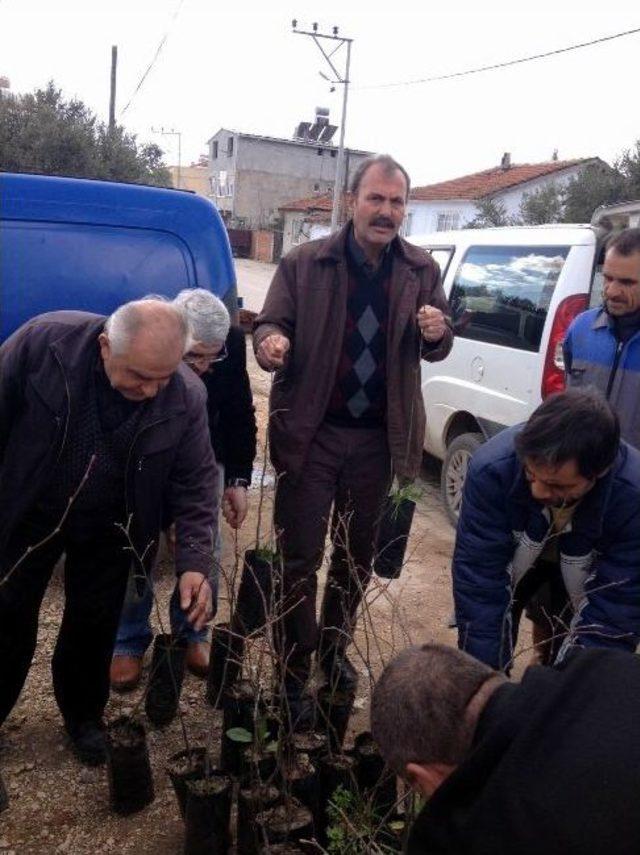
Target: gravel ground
point(58, 806)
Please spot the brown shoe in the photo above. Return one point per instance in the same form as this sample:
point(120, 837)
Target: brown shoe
point(125, 673)
point(197, 658)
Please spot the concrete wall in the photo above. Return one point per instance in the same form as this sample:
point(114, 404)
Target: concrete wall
point(223, 167)
point(258, 195)
point(297, 229)
point(263, 174)
point(194, 178)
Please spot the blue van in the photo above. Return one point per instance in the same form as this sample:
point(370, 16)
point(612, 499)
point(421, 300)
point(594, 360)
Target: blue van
point(71, 243)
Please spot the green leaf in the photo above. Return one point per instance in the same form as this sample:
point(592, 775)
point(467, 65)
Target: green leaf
point(239, 734)
point(271, 747)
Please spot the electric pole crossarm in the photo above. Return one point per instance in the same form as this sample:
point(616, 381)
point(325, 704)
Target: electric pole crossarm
point(326, 56)
point(344, 80)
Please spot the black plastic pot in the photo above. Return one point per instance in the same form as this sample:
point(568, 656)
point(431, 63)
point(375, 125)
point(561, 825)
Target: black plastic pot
point(254, 594)
point(335, 710)
point(375, 780)
point(186, 766)
point(128, 767)
point(251, 802)
point(301, 779)
point(239, 709)
point(257, 766)
point(4, 796)
point(335, 771)
point(285, 823)
point(165, 679)
point(393, 533)
point(208, 816)
point(225, 662)
point(311, 742)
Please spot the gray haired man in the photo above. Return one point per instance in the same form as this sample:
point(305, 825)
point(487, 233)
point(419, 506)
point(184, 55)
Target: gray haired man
point(217, 354)
point(101, 428)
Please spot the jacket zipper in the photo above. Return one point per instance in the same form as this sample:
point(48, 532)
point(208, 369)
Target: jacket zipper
point(131, 447)
point(614, 367)
point(68, 409)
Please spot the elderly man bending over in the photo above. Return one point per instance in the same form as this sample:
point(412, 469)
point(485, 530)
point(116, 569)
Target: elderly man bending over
point(103, 412)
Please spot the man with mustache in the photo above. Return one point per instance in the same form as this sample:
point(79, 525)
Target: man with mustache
point(344, 326)
point(555, 502)
point(602, 347)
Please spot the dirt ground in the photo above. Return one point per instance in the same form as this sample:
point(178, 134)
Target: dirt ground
point(58, 806)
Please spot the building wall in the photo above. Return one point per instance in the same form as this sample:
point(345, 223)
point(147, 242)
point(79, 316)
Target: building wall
point(425, 217)
point(298, 229)
point(194, 178)
point(223, 150)
point(258, 194)
point(513, 198)
point(261, 175)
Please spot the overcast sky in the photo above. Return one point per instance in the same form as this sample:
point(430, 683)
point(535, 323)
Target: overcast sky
point(236, 64)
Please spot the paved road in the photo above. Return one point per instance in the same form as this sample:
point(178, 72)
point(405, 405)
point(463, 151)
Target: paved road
point(253, 281)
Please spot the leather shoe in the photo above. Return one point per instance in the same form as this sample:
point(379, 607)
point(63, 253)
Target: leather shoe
point(125, 672)
point(197, 658)
point(88, 742)
point(339, 671)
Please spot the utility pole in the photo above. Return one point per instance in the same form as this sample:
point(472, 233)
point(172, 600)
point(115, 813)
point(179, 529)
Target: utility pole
point(344, 80)
point(112, 97)
point(173, 133)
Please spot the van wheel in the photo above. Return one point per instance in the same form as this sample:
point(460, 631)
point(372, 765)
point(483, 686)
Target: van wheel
point(454, 471)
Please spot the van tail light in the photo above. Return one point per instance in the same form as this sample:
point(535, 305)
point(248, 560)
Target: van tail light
point(553, 374)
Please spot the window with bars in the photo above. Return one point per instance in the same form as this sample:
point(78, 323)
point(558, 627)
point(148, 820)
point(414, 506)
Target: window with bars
point(447, 220)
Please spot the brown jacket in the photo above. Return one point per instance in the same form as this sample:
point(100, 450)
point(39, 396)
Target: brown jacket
point(44, 367)
point(307, 302)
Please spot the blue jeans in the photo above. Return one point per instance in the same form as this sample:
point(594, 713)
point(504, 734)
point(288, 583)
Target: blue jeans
point(134, 631)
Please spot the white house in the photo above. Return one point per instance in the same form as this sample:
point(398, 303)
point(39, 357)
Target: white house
point(452, 204)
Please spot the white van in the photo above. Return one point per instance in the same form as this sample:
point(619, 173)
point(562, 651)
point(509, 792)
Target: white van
point(513, 293)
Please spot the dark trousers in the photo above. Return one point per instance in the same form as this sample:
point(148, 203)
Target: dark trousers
point(349, 468)
point(542, 593)
point(96, 572)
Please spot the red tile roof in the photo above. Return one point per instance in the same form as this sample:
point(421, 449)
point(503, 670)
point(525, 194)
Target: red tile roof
point(490, 181)
point(321, 202)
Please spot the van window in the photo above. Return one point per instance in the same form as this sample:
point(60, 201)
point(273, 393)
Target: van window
point(443, 255)
point(50, 266)
point(501, 294)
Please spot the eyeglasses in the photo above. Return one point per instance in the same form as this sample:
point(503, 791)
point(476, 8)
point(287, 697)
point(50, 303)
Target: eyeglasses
point(203, 360)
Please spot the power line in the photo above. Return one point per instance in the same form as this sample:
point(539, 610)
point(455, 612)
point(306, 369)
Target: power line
point(155, 57)
point(500, 64)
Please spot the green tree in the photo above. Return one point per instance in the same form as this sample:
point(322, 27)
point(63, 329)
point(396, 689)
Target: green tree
point(597, 184)
point(42, 132)
point(490, 212)
point(544, 205)
point(628, 165)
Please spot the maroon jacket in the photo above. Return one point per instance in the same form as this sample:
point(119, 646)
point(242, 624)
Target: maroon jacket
point(44, 367)
point(307, 302)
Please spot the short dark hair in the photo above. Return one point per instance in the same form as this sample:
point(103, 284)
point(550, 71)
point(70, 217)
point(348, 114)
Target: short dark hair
point(389, 166)
point(419, 704)
point(572, 425)
point(626, 242)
